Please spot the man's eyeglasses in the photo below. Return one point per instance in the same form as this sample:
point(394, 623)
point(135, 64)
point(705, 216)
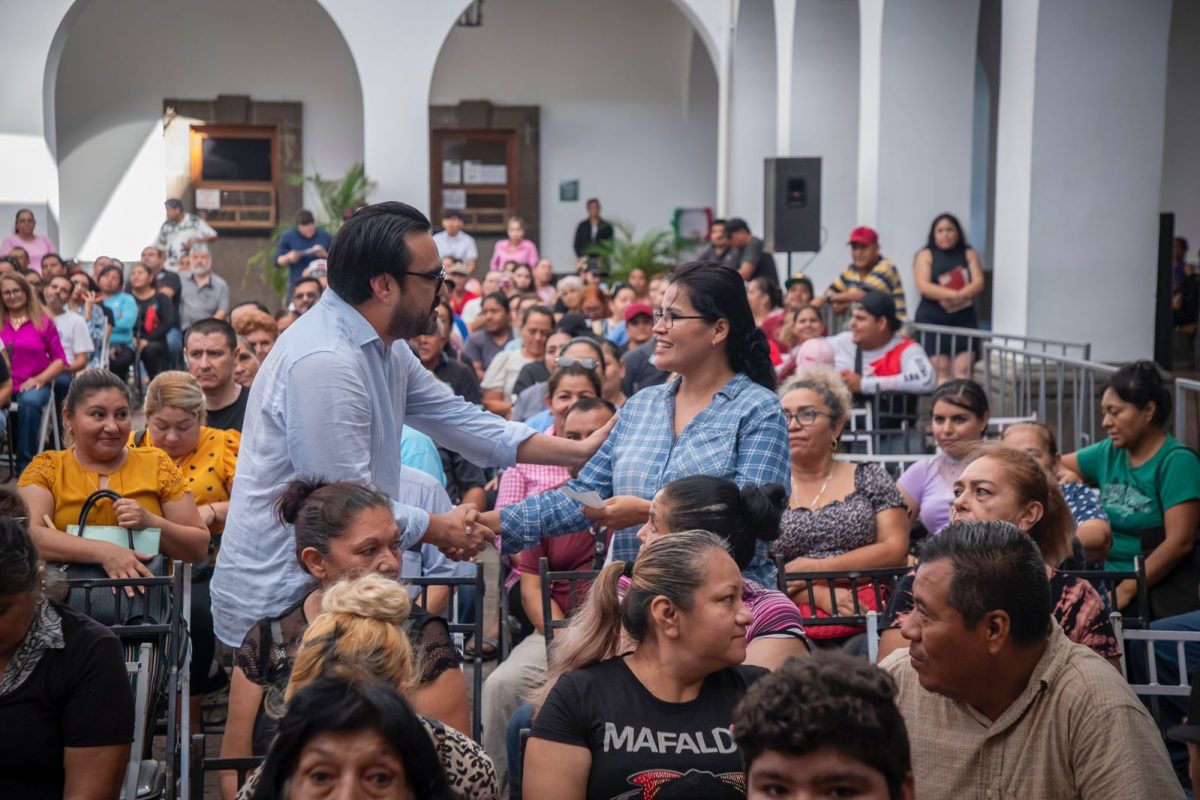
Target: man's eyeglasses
point(587, 362)
point(668, 318)
point(804, 417)
point(438, 275)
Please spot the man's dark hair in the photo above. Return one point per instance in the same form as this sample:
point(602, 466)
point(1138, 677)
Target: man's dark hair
point(174, 203)
point(1179, 240)
point(718, 221)
point(736, 225)
point(586, 404)
point(452, 214)
point(996, 567)
point(836, 701)
point(304, 217)
point(591, 200)
point(496, 297)
point(312, 280)
point(213, 325)
point(372, 242)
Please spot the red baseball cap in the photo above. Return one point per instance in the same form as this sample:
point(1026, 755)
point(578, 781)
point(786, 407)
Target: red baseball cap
point(863, 235)
point(638, 309)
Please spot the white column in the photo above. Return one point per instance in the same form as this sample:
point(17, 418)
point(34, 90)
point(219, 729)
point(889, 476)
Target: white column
point(785, 36)
point(1079, 171)
point(925, 122)
point(823, 71)
point(27, 137)
point(395, 47)
point(870, 49)
point(752, 125)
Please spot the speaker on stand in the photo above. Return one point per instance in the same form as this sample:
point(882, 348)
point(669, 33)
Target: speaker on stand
point(792, 205)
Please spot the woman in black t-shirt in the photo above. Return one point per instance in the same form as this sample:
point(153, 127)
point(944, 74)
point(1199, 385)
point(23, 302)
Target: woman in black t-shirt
point(342, 529)
point(66, 709)
point(648, 715)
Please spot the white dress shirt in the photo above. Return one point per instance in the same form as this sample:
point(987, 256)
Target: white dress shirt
point(329, 401)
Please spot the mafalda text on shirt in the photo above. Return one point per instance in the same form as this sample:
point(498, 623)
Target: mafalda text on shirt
point(629, 740)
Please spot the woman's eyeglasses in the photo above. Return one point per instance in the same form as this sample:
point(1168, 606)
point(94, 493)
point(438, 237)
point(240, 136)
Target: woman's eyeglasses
point(668, 318)
point(804, 417)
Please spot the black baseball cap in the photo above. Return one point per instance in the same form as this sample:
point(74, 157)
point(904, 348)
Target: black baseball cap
point(879, 304)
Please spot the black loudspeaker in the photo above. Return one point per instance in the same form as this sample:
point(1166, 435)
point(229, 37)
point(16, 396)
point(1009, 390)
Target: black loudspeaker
point(792, 203)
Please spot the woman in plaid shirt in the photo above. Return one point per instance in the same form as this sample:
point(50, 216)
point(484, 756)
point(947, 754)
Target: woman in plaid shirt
point(719, 416)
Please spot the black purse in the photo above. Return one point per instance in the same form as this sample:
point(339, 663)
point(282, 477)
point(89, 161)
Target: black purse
point(149, 607)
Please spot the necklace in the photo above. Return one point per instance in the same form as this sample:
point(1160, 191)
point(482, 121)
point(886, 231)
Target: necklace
point(17, 321)
point(812, 506)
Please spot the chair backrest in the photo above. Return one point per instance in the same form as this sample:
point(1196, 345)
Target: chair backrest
point(242, 766)
point(894, 464)
point(1151, 652)
point(464, 629)
point(579, 582)
point(880, 582)
point(1137, 616)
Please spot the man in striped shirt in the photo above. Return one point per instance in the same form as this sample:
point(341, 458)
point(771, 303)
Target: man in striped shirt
point(868, 270)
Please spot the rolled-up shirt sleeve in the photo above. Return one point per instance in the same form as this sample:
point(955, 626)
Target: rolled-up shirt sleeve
point(325, 394)
point(479, 436)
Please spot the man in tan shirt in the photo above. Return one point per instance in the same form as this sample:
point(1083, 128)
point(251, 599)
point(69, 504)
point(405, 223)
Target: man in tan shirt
point(998, 702)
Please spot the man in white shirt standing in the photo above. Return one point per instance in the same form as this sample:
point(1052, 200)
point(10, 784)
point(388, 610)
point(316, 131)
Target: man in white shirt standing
point(180, 231)
point(72, 332)
point(454, 243)
point(330, 401)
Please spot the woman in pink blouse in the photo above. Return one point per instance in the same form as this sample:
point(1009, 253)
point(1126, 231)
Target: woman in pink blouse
point(36, 357)
point(515, 248)
point(24, 237)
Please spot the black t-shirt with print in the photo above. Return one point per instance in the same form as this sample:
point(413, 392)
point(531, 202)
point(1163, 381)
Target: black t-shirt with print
point(642, 746)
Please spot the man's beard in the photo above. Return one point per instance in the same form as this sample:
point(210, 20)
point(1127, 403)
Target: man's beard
point(403, 326)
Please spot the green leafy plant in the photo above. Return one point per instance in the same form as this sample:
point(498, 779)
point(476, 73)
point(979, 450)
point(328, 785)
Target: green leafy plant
point(339, 197)
point(654, 252)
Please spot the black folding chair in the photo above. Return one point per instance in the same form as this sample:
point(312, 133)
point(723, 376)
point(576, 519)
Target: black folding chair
point(881, 582)
point(1136, 616)
point(474, 629)
point(578, 581)
point(242, 765)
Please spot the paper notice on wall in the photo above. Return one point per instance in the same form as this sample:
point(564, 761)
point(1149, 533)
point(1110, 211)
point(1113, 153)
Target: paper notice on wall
point(454, 199)
point(472, 172)
point(208, 199)
point(495, 174)
point(451, 171)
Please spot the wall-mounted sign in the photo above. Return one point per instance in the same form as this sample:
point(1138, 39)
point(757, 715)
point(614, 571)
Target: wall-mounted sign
point(568, 191)
point(208, 199)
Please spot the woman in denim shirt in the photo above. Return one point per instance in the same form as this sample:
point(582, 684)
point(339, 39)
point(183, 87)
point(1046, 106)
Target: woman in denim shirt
point(718, 416)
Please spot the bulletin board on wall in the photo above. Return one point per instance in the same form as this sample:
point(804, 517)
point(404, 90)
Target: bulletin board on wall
point(474, 172)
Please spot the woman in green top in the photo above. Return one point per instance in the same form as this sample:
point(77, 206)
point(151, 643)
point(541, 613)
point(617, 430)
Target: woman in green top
point(1149, 486)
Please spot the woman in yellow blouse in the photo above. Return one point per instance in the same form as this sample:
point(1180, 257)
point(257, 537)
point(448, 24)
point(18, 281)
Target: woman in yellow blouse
point(207, 457)
point(154, 493)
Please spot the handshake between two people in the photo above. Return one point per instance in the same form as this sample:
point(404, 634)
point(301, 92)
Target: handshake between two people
point(461, 534)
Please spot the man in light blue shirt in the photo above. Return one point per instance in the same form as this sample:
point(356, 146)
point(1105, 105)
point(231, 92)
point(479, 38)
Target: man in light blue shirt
point(330, 401)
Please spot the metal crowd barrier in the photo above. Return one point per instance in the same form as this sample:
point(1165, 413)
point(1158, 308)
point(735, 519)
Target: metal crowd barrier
point(1187, 407)
point(1059, 390)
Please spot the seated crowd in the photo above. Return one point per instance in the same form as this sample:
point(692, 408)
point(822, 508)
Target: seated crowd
point(712, 644)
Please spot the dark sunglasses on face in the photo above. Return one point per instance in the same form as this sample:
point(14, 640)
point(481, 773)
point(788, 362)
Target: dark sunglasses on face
point(587, 362)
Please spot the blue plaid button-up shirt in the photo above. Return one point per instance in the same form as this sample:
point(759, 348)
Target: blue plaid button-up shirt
point(741, 435)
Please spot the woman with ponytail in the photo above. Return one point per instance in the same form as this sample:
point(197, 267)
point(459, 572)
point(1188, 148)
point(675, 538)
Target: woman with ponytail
point(718, 417)
point(342, 530)
point(743, 518)
point(358, 638)
point(842, 516)
point(653, 717)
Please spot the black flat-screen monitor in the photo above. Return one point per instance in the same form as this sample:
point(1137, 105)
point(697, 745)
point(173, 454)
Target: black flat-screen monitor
point(236, 159)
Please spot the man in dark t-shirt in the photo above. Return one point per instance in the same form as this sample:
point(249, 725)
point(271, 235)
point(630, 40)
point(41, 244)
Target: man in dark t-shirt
point(640, 371)
point(431, 350)
point(750, 257)
point(169, 284)
point(210, 350)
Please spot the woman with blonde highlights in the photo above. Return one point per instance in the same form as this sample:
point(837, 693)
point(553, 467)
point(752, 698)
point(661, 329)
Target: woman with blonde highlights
point(674, 688)
point(359, 638)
